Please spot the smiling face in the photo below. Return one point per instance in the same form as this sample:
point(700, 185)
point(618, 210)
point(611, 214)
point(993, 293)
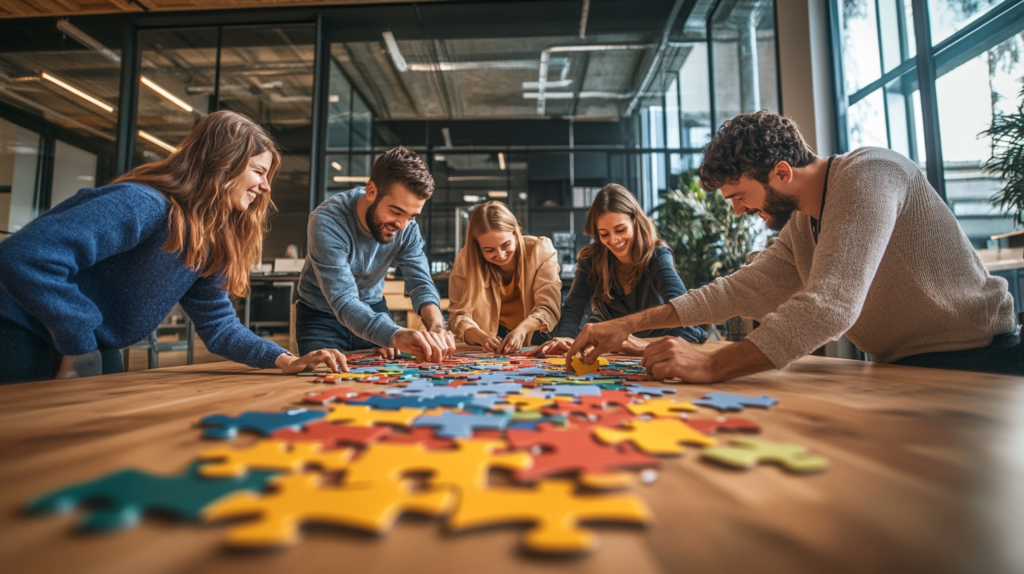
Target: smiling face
point(391, 212)
point(253, 182)
point(617, 232)
point(498, 247)
point(755, 198)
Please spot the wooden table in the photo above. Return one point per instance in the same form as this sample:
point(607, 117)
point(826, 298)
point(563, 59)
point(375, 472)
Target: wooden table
point(927, 476)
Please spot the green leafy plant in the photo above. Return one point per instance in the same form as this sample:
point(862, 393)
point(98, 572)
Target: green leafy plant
point(1007, 161)
point(707, 239)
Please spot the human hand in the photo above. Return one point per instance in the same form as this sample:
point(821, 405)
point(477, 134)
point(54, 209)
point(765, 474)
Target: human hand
point(634, 345)
point(513, 341)
point(386, 352)
point(671, 357)
point(556, 346)
point(85, 365)
point(290, 364)
point(445, 339)
point(597, 339)
point(420, 344)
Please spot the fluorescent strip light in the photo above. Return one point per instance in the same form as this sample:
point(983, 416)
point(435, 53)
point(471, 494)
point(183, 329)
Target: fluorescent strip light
point(396, 55)
point(167, 95)
point(447, 134)
point(157, 141)
point(499, 194)
point(351, 178)
point(501, 160)
point(100, 104)
point(471, 198)
point(336, 165)
point(476, 177)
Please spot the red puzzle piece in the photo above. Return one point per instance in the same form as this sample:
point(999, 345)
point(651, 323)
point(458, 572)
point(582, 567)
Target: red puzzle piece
point(712, 426)
point(574, 450)
point(589, 417)
point(332, 435)
point(335, 395)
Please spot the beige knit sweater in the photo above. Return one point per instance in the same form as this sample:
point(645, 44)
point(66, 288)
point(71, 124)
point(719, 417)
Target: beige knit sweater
point(892, 270)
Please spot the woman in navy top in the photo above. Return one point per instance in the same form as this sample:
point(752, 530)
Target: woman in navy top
point(628, 269)
point(100, 271)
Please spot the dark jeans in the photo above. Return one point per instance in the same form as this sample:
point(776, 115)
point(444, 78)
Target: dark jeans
point(25, 357)
point(315, 330)
point(1002, 356)
point(538, 338)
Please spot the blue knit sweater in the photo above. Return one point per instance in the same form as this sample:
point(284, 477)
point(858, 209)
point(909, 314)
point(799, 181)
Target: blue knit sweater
point(90, 273)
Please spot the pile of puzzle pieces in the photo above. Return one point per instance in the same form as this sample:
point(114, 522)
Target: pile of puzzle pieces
point(478, 440)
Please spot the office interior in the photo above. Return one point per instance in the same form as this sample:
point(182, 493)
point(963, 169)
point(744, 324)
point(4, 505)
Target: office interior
point(534, 103)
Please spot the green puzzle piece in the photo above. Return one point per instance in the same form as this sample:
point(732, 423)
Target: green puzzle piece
point(748, 452)
point(127, 494)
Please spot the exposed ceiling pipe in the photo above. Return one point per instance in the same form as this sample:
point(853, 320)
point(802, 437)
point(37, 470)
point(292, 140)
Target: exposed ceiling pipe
point(583, 18)
point(545, 60)
point(676, 8)
point(581, 95)
point(86, 40)
point(396, 55)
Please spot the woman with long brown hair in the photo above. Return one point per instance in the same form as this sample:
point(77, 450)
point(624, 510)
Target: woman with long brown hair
point(504, 291)
point(101, 270)
point(626, 270)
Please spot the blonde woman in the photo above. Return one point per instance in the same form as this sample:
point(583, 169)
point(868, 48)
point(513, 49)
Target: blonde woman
point(504, 291)
point(627, 269)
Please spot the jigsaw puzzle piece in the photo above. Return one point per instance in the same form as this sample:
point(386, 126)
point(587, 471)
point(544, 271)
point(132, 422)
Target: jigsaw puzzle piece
point(580, 368)
point(554, 510)
point(651, 391)
point(716, 425)
point(529, 403)
point(329, 435)
point(262, 422)
point(366, 416)
point(574, 450)
point(655, 436)
point(299, 499)
point(395, 403)
point(272, 455)
point(454, 425)
point(574, 391)
point(748, 452)
point(660, 407)
point(334, 395)
point(127, 494)
point(424, 436)
point(734, 402)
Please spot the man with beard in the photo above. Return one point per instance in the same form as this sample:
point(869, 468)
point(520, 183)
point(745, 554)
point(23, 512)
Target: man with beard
point(867, 248)
point(353, 238)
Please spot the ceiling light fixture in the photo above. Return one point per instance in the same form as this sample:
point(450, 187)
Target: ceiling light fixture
point(86, 40)
point(336, 165)
point(476, 177)
point(447, 134)
point(157, 141)
point(166, 95)
point(396, 55)
point(471, 198)
point(351, 178)
point(501, 161)
point(497, 194)
point(100, 104)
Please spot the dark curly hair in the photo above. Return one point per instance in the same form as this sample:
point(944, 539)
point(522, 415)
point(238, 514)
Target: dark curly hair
point(752, 145)
point(402, 165)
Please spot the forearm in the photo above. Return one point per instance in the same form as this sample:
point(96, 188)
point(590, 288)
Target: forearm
point(530, 324)
point(433, 320)
point(738, 360)
point(660, 317)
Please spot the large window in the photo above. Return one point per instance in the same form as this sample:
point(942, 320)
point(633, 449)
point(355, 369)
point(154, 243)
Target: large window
point(349, 130)
point(973, 71)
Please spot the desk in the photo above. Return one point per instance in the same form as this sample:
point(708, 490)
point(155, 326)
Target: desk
point(927, 476)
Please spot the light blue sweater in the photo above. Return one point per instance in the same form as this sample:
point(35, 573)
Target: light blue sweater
point(345, 268)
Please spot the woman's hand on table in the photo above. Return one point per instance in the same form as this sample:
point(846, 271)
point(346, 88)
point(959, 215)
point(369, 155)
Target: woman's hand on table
point(512, 342)
point(556, 346)
point(477, 336)
point(290, 364)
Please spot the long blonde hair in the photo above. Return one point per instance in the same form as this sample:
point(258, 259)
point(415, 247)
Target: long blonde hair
point(486, 217)
point(613, 198)
point(203, 227)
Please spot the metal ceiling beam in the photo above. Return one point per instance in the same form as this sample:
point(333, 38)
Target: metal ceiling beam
point(662, 46)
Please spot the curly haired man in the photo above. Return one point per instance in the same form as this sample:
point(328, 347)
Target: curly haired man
point(867, 249)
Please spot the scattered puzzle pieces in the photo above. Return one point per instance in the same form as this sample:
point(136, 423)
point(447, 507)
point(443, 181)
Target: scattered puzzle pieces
point(748, 452)
point(127, 494)
point(716, 425)
point(655, 436)
point(366, 416)
point(330, 435)
point(272, 455)
point(660, 407)
point(452, 425)
point(558, 451)
point(733, 402)
point(554, 510)
point(226, 427)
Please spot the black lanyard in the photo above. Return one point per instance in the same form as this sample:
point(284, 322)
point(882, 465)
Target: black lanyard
point(816, 223)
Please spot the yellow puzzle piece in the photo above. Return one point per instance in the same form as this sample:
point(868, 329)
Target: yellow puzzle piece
point(272, 455)
point(655, 436)
point(553, 508)
point(360, 415)
point(466, 466)
point(582, 368)
point(529, 403)
point(373, 507)
point(660, 407)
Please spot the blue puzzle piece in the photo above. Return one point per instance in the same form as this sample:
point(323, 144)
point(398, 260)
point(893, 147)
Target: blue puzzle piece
point(395, 403)
point(537, 371)
point(261, 422)
point(637, 389)
point(127, 494)
point(490, 378)
point(733, 402)
point(573, 390)
point(452, 425)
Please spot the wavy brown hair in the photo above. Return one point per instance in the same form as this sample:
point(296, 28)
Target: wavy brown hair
point(613, 198)
point(486, 217)
point(204, 229)
point(752, 145)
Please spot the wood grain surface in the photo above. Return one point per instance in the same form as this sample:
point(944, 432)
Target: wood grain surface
point(927, 475)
